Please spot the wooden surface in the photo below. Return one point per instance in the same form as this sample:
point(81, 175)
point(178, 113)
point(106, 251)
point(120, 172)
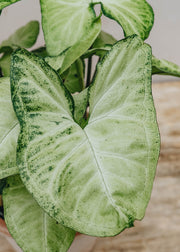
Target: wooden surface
point(160, 229)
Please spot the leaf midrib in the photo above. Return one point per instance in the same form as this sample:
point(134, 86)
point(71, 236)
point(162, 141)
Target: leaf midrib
point(8, 132)
point(107, 190)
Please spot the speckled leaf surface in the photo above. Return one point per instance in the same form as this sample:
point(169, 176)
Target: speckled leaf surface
point(95, 180)
point(5, 3)
point(29, 225)
point(9, 130)
point(135, 17)
point(24, 37)
point(161, 66)
point(66, 22)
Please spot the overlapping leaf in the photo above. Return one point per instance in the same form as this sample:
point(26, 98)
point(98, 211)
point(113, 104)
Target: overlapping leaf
point(135, 17)
point(5, 62)
point(75, 78)
point(24, 37)
point(66, 22)
point(31, 227)
point(80, 106)
point(165, 67)
point(104, 39)
point(82, 45)
point(101, 45)
point(96, 180)
point(5, 3)
point(9, 130)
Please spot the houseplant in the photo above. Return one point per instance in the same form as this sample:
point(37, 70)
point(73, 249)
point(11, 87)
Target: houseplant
point(83, 162)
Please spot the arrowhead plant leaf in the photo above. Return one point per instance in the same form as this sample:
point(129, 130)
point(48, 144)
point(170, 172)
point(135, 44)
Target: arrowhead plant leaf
point(9, 130)
point(31, 227)
point(73, 24)
point(82, 45)
point(66, 58)
point(95, 180)
point(5, 3)
point(65, 23)
point(164, 67)
point(24, 37)
point(135, 17)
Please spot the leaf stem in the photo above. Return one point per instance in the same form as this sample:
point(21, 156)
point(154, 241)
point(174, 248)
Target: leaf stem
point(89, 71)
point(1, 75)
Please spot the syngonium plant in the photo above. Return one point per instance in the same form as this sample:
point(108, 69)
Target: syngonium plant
point(78, 156)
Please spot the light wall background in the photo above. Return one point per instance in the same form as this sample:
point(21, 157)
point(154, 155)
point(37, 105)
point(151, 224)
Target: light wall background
point(164, 37)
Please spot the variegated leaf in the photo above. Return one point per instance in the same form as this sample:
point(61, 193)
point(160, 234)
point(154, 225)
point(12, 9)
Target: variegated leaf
point(96, 180)
point(9, 130)
point(135, 17)
point(65, 23)
point(165, 67)
point(30, 226)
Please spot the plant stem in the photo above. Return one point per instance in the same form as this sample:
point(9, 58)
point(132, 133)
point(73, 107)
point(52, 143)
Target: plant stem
point(89, 71)
point(1, 75)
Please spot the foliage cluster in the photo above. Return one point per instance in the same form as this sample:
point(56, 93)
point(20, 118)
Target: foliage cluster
point(77, 153)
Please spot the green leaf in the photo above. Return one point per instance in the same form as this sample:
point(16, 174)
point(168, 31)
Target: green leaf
point(95, 180)
point(65, 59)
point(65, 23)
point(30, 226)
point(135, 17)
point(2, 185)
point(9, 130)
point(5, 62)
point(41, 51)
point(96, 51)
point(24, 37)
point(104, 39)
point(56, 61)
point(75, 79)
point(101, 45)
point(164, 67)
point(81, 46)
point(80, 104)
point(5, 3)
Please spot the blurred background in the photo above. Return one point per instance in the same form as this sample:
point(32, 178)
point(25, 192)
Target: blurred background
point(159, 231)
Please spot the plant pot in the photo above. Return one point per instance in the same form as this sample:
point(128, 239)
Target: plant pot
point(81, 243)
